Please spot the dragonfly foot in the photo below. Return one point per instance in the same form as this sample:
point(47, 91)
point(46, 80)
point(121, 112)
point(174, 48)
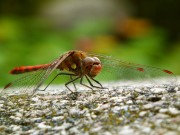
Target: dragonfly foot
point(73, 95)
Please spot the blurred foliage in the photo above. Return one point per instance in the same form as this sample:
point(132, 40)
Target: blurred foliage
point(25, 39)
point(20, 7)
point(162, 13)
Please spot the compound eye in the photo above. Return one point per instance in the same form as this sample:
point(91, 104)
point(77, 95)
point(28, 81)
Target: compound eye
point(88, 60)
point(96, 60)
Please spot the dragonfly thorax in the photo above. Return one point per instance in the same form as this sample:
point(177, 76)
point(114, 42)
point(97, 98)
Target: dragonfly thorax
point(91, 66)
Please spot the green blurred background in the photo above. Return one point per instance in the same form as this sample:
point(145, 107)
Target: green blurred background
point(36, 32)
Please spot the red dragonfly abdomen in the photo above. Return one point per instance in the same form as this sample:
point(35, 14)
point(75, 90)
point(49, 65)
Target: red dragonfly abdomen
point(24, 69)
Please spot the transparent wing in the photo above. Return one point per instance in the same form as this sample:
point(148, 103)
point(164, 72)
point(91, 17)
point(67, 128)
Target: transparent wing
point(121, 70)
point(26, 83)
point(29, 82)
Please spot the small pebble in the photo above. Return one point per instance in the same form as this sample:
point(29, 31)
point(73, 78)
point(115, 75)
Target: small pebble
point(129, 102)
point(171, 133)
point(1, 101)
point(148, 106)
point(2, 128)
point(146, 130)
point(96, 129)
point(163, 110)
point(176, 88)
point(18, 114)
point(36, 120)
point(1, 105)
point(158, 90)
point(142, 114)
point(58, 118)
point(35, 99)
point(162, 116)
point(126, 130)
point(173, 111)
point(15, 118)
point(15, 127)
point(138, 90)
point(43, 126)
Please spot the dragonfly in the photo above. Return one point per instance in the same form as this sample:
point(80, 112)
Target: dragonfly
point(78, 65)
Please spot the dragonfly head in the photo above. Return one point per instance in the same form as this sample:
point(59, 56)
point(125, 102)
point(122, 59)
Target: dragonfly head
point(91, 66)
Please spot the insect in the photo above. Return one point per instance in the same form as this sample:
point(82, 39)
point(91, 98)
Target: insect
point(78, 65)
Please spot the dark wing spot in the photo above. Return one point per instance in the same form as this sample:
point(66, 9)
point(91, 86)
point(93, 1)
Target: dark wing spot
point(140, 69)
point(9, 84)
point(167, 71)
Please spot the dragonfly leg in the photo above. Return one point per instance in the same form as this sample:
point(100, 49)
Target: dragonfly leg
point(72, 81)
point(55, 78)
point(81, 82)
point(101, 87)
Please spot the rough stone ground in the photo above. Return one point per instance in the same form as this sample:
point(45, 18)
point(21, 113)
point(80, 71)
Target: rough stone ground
point(117, 110)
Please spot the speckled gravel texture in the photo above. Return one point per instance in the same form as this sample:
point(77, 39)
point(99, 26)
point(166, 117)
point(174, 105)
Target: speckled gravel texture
point(118, 110)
